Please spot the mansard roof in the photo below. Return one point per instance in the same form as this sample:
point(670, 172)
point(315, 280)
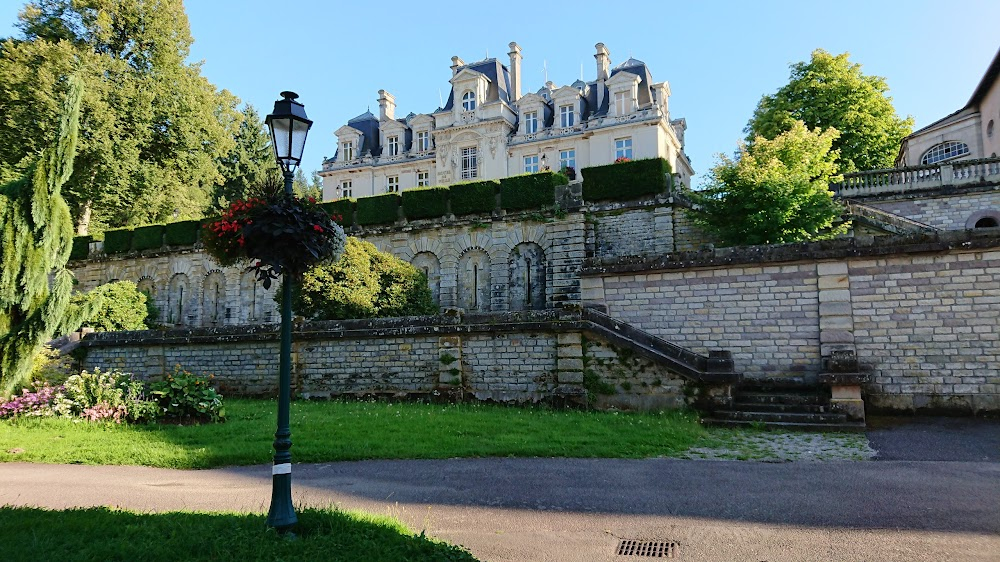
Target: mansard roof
point(369, 127)
point(499, 80)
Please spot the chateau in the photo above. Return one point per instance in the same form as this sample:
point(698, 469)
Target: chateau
point(487, 129)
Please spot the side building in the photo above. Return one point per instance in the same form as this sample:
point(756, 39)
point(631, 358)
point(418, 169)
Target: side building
point(488, 130)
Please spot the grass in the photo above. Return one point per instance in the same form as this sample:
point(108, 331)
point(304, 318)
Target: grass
point(104, 534)
point(345, 431)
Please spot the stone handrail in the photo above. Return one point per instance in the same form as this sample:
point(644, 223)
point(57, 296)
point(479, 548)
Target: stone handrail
point(898, 224)
point(931, 176)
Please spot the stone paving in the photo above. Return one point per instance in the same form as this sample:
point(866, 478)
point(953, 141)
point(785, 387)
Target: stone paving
point(773, 446)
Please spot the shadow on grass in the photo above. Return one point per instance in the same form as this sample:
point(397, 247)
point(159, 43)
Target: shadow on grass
point(108, 534)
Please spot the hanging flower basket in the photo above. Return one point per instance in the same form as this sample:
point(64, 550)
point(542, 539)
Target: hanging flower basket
point(276, 235)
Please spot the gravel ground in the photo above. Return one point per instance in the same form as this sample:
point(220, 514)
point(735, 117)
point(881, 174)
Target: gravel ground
point(773, 446)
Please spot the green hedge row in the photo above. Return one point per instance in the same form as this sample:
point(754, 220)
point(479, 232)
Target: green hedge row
point(378, 209)
point(425, 202)
point(183, 233)
point(117, 241)
point(147, 237)
point(474, 197)
point(530, 191)
point(81, 247)
point(626, 180)
point(343, 208)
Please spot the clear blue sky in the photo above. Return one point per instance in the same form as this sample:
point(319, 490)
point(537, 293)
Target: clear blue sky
point(719, 57)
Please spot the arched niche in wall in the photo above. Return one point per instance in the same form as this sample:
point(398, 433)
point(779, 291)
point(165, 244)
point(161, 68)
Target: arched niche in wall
point(474, 280)
point(178, 294)
point(430, 265)
point(526, 286)
point(213, 299)
point(983, 219)
point(251, 299)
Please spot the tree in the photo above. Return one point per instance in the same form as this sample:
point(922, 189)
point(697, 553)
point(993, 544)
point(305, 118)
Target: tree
point(364, 283)
point(153, 129)
point(249, 164)
point(776, 191)
point(115, 306)
point(831, 92)
point(37, 236)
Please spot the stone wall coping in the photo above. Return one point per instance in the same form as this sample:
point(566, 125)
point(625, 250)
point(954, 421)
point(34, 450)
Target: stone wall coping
point(839, 248)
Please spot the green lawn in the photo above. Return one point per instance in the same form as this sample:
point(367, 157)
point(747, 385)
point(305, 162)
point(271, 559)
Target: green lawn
point(340, 431)
point(103, 534)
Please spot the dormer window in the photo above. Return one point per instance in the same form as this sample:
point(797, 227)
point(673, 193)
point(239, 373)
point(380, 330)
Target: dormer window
point(423, 141)
point(469, 101)
point(393, 143)
point(623, 103)
point(565, 115)
point(531, 122)
point(348, 151)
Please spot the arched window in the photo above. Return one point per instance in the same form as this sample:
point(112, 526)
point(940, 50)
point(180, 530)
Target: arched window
point(989, 129)
point(944, 151)
point(987, 222)
point(469, 101)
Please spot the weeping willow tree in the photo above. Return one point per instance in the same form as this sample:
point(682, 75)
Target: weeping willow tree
point(36, 236)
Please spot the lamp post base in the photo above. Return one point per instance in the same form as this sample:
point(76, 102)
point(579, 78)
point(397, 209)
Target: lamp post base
point(281, 516)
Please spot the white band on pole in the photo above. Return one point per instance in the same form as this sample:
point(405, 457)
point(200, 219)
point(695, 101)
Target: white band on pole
point(285, 468)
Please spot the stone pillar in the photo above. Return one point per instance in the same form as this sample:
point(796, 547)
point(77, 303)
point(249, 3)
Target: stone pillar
point(567, 243)
point(450, 363)
point(569, 359)
point(592, 291)
point(836, 336)
point(663, 230)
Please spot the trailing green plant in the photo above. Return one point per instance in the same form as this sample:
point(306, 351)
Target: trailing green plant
point(148, 237)
point(378, 209)
point(81, 247)
point(474, 197)
point(115, 306)
point(341, 210)
point(117, 241)
point(52, 367)
point(629, 179)
point(112, 396)
point(181, 233)
point(425, 202)
point(530, 191)
point(363, 283)
point(183, 396)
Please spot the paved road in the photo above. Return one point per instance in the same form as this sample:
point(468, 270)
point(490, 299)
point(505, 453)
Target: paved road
point(935, 438)
point(579, 510)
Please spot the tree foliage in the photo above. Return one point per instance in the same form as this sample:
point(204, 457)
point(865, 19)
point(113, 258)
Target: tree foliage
point(776, 191)
point(249, 165)
point(364, 283)
point(118, 305)
point(153, 129)
point(829, 91)
point(36, 237)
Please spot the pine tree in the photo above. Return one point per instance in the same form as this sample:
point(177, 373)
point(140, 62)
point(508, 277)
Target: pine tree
point(36, 236)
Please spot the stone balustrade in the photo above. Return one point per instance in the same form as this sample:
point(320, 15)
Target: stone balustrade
point(913, 178)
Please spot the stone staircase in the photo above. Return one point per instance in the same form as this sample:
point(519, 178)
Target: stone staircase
point(782, 404)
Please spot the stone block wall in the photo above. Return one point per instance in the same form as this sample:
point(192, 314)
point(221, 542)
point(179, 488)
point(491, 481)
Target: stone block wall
point(634, 229)
point(618, 378)
point(945, 211)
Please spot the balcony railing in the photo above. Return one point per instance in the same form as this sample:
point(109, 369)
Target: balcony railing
point(912, 178)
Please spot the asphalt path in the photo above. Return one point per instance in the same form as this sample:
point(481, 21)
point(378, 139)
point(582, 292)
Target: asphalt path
point(581, 509)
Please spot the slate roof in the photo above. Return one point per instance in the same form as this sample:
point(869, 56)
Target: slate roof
point(368, 125)
point(499, 87)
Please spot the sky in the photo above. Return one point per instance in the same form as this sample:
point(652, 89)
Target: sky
point(719, 57)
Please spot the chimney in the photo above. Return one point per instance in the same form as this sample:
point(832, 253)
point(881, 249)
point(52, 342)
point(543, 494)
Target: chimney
point(456, 62)
point(515, 72)
point(386, 106)
point(603, 61)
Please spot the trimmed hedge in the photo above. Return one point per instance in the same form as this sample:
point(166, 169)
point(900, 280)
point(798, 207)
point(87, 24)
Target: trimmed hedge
point(425, 202)
point(378, 209)
point(474, 197)
point(81, 247)
point(183, 233)
point(117, 241)
point(531, 191)
point(343, 208)
point(147, 237)
point(627, 180)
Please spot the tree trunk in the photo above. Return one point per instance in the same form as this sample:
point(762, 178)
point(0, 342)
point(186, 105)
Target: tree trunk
point(83, 226)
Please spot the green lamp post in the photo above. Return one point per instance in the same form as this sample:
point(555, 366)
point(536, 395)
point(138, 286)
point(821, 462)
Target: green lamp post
point(289, 127)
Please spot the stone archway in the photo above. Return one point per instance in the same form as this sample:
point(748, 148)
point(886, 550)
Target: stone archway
point(430, 265)
point(526, 285)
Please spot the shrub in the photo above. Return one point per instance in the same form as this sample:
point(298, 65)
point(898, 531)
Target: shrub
point(30, 403)
point(105, 396)
point(425, 202)
point(625, 180)
point(378, 209)
point(474, 197)
point(185, 396)
point(51, 367)
point(530, 191)
point(364, 283)
point(183, 233)
point(81, 247)
point(342, 208)
point(117, 241)
point(147, 237)
point(119, 305)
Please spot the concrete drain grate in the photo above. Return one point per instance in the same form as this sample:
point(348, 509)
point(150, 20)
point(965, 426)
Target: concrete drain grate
point(650, 549)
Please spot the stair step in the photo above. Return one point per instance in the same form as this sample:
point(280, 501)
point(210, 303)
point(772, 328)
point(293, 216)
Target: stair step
point(777, 383)
point(788, 426)
point(754, 397)
point(781, 407)
point(790, 417)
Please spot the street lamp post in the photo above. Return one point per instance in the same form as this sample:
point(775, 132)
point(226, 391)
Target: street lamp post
point(289, 127)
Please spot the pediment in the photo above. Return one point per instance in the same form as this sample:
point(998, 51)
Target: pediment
point(531, 100)
point(467, 75)
point(624, 77)
point(566, 93)
point(347, 131)
point(392, 126)
point(420, 120)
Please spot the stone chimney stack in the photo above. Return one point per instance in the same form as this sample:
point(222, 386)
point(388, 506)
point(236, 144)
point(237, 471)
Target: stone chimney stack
point(386, 106)
point(456, 62)
point(515, 71)
point(603, 61)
